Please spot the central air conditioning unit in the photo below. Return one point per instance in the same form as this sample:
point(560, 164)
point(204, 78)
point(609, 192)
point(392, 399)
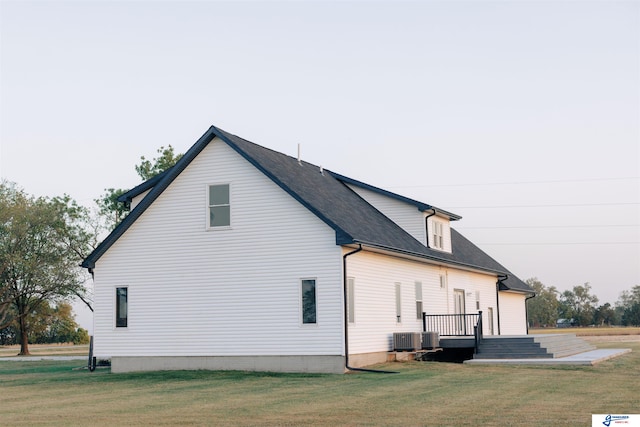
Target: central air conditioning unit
point(430, 340)
point(406, 341)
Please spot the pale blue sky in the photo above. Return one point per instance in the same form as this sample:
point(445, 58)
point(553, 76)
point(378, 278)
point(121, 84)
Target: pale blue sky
point(470, 106)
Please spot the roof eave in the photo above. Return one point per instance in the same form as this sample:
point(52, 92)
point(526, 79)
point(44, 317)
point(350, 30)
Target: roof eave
point(436, 259)
point(420, 205)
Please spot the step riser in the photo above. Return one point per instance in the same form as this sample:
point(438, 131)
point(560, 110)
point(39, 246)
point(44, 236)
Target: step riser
point(532, 347)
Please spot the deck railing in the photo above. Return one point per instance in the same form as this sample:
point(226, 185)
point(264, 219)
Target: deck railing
point(450, 325)
point(455, 325)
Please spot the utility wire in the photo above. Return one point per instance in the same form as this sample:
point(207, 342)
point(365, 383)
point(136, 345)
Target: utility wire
point(558, 243)
point(552, 181)
point(547, 226)
point(568, 205)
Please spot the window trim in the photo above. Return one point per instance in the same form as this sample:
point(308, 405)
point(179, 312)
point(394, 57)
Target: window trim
point(443, 281)
point(208, 226)
point(438, 234)
point(116, 311)
point(302, 301)
point(419, 300)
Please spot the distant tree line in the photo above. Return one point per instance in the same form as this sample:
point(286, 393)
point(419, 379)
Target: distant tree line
point(48, 325)
point(42, 243)
point(579, 307)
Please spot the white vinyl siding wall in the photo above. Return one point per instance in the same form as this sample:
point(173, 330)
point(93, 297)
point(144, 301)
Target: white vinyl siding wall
point(404, 214)
point(376, 276)
point(446, 233)
point(229, 292)
point(513, 318)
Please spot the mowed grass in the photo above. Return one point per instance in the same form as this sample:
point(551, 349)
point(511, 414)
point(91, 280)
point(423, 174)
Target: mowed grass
point(588, 331)
point(422, 394)
point(46, 350)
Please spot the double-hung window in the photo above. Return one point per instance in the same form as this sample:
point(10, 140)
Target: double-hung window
point(219, 206)
point(437, 235)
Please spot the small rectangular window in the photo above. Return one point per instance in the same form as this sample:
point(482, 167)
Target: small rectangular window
point(309, 301)
point(477, 300)
point(398, 302)
point(419, 300)
point(443, 281)
point(219, 206)
point(351, 299)
point(121, 307)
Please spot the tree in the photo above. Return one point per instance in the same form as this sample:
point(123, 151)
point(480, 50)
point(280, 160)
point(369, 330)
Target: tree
point(578, 304)
point(42, 242)
point(148, 169)
point(543, 309)
point(605, 315)
point(628, 306)
point(114, 211)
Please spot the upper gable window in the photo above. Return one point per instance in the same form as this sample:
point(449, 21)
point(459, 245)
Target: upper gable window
point(219, 206)
point(438, 235)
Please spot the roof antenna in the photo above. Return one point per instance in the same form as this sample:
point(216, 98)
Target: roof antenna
point(299, 162)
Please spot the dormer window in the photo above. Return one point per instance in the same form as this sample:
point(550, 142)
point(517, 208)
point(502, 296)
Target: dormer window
point(219, 206)
point(438, 240)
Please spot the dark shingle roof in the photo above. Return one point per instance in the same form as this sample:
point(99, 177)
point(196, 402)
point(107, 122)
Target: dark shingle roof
point(326, 194)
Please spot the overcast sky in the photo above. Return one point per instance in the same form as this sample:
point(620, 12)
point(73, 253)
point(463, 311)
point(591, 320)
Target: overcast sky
point(522, 117)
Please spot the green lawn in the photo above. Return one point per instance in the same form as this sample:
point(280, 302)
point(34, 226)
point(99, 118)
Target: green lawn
point(424, 393)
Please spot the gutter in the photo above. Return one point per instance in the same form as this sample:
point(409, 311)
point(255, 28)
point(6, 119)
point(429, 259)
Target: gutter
point(346, 318)
point(426, 225)
point(501, 277)
point(526, 310)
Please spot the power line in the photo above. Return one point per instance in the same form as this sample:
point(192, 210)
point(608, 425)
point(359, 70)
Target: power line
point(551, 181)
point(568, 205)
point(558, 243)
point(548, 226)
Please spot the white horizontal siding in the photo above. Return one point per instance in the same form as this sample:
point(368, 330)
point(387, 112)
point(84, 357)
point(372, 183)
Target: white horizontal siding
point(195, 292)
point(513, 317)
point(138, 199)
point(406, 215)
point(375, 276)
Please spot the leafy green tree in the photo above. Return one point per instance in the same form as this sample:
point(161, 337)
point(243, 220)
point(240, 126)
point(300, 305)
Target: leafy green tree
point(147, 169)
point(42, 242)
point(542, 311)
point(579, 304)
point(628, 306)
point(605, 315)
point(114, 211)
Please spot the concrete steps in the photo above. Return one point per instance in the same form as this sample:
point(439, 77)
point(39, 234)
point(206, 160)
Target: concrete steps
point(531, 347)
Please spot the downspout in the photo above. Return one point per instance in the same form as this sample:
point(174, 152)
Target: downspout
point(426, 225)
point(526, 310)
point(501, 277)
point(346, 318)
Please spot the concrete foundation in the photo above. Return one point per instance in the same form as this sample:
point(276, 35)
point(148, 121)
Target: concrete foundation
point(313, 364)
point(367, 359)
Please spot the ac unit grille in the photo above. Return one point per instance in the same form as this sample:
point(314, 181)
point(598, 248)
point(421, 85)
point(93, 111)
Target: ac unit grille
point(430, 340)
point(406, 341)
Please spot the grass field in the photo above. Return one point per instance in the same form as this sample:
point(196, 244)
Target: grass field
point(423, 393)
point(586, 332)
point(46, 350)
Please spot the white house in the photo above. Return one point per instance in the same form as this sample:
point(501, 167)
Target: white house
point(240, 257)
